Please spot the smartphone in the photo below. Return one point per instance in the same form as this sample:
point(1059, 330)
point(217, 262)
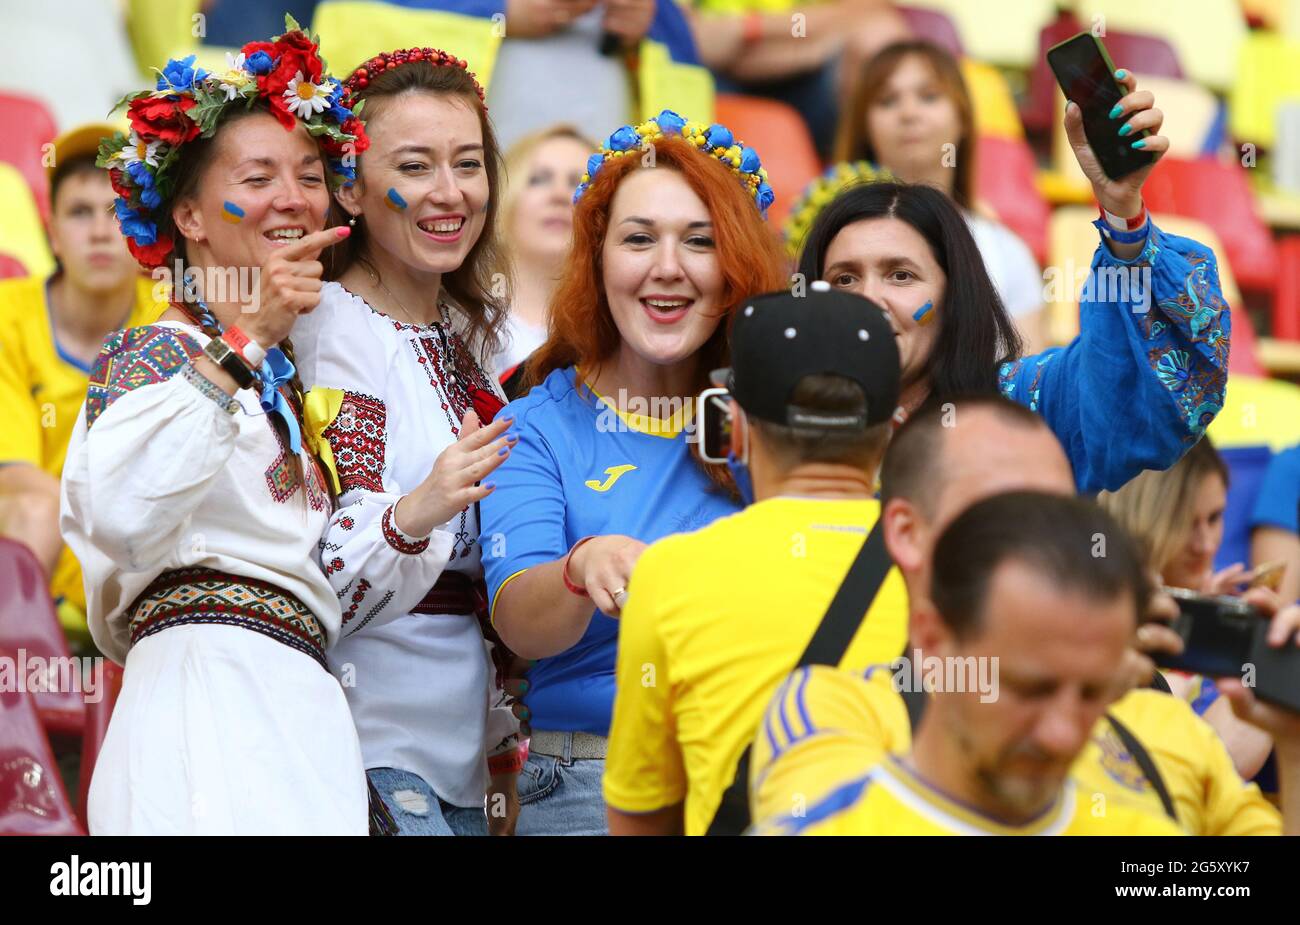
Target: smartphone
point(1226, 637)
point(715, 425)
point(1087, 77)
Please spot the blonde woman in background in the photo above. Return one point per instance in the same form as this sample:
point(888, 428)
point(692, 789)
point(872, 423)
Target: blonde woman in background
point(1177, 515)
point(542, 172)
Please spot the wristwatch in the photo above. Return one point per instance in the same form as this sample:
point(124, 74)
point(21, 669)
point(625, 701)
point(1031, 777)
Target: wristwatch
point(221, 353)
point(249, 350)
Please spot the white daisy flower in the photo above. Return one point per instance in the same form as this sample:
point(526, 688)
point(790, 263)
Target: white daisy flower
point(235, 78)
point(306, 98)
point(138, 150)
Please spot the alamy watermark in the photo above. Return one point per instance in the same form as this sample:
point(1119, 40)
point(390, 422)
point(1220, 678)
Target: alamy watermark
point(1099, 284)
point(60, 674)
point(948, 675)
point(229, 285)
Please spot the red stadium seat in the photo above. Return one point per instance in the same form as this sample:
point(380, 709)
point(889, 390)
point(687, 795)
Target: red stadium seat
point(1005, 172)
point(29, 624)
point(28, 127)
point(11, 267)
point(1219, 195)
point(778, 132)
point(97, 717)
point(1286, 300)
point(934, 26)
point(1146, 54)
point(32, 798)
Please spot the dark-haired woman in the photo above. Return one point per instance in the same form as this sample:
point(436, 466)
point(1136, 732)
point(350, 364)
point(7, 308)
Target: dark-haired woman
point(1147, 372)
point(191, 497)
point(396, 356)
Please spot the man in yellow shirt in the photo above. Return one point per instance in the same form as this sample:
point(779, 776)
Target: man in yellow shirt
point(50, 333)
point(716, 618)
point(1017, 589)
point(938, 464)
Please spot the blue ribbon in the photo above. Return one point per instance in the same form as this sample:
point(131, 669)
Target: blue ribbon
point(276, 371)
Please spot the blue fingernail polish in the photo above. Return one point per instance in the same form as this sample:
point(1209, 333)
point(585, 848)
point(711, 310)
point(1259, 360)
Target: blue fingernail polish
point(1115, 113)
point(503, 451)
point(1140, 143)
point(509, 420)
point(525, 713)
point(1121, 74)
point(523, 687)
point(513, 438)
point(489, 485)
point(1125, 129)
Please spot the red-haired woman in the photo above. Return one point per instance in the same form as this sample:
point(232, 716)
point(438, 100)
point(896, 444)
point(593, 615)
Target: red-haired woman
point(668, 242)
point(395, 356)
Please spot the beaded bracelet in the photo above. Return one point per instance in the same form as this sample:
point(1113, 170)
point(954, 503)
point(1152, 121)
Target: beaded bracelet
point(209, 388)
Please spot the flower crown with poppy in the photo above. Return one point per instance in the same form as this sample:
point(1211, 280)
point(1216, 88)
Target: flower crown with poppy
point(189, 103)
point(714, 140)
point(818, 194)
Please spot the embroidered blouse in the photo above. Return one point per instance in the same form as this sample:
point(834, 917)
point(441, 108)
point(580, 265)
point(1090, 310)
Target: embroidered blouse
point(165, 471)
point(1148, 371)
point(396, 394)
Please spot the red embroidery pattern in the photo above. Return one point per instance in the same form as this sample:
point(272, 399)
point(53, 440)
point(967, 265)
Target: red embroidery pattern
point(335, 565)
point(357, 439)
point(280, 479)
point(357, 597)
point(347, 523)
point(396, 540)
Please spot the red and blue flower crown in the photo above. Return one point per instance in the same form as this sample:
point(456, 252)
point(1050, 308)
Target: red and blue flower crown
point(189, 102)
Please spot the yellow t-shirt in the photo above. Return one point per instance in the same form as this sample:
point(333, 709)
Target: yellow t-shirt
point(891, 799)
point(825, 726)
point(714, 621)
point(41, 391)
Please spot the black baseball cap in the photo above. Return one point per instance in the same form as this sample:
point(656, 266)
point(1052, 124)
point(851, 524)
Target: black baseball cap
point(778, 339)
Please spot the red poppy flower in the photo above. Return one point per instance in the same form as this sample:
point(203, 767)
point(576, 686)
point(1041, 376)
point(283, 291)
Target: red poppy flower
point(163, 119)
point(150, 255)
point(115, 178)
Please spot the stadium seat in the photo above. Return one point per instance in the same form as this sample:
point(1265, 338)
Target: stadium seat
point(97, 717)
point(1267, 78)
point(22, 236)
point(778, 131)
point(1207, 35)
point(11, 267)
point(1000, 32)
point(995, 107)
point(1267, 14)
point(1004, 181)
point(1148, 54)
point(28, 624)
point(28, 128)
point(1286, 298)
point(934, 26)
point(1219, 195)
point(32, 798)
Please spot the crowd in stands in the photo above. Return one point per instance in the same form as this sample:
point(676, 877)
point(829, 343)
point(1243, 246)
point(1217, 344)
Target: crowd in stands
point(453, 425)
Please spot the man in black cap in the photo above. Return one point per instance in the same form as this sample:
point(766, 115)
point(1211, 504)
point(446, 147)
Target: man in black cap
point(716, 618)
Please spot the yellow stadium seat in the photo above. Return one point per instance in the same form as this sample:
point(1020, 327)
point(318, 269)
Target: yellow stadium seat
point(22, 236)
point(1207, 34)
point(164, 29)
point(1258, 411)
point(1072, 240)
point(1269, 13)
point(1003, 32)
point(995, 108)
point(1269, 76)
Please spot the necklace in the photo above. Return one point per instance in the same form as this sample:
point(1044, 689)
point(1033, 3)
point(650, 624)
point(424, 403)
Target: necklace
point(410, 319)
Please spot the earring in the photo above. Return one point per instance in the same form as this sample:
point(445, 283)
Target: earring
point(352, 221)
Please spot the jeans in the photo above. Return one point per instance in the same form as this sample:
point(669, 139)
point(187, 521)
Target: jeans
point(417, 810)
point(559, 796)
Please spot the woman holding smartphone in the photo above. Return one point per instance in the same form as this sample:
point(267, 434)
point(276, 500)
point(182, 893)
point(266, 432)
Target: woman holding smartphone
point(1147, 372)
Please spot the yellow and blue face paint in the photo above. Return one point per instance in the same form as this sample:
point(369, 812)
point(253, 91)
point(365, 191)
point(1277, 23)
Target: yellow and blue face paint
point(924, 315)
point(232, 213)
point(394, 200)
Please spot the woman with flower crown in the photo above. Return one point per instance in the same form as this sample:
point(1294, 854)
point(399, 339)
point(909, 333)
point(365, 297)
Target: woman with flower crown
point(668, 242)
point(397, 356)
point(190, 495)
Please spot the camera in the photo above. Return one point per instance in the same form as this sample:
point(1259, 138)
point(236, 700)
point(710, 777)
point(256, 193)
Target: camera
point(1226, 637)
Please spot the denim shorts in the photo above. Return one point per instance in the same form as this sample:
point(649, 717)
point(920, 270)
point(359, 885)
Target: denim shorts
point(417, 810)
point(559, 796)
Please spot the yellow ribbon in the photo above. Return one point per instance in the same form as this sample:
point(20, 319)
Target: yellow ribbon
point(320, 408)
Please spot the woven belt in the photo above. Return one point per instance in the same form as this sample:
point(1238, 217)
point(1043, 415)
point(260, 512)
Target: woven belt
point(203, 595)
point(568, 745)
point(455, 593)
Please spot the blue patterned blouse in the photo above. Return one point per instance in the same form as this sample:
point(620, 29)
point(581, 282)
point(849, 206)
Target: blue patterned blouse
point(1147, 372)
